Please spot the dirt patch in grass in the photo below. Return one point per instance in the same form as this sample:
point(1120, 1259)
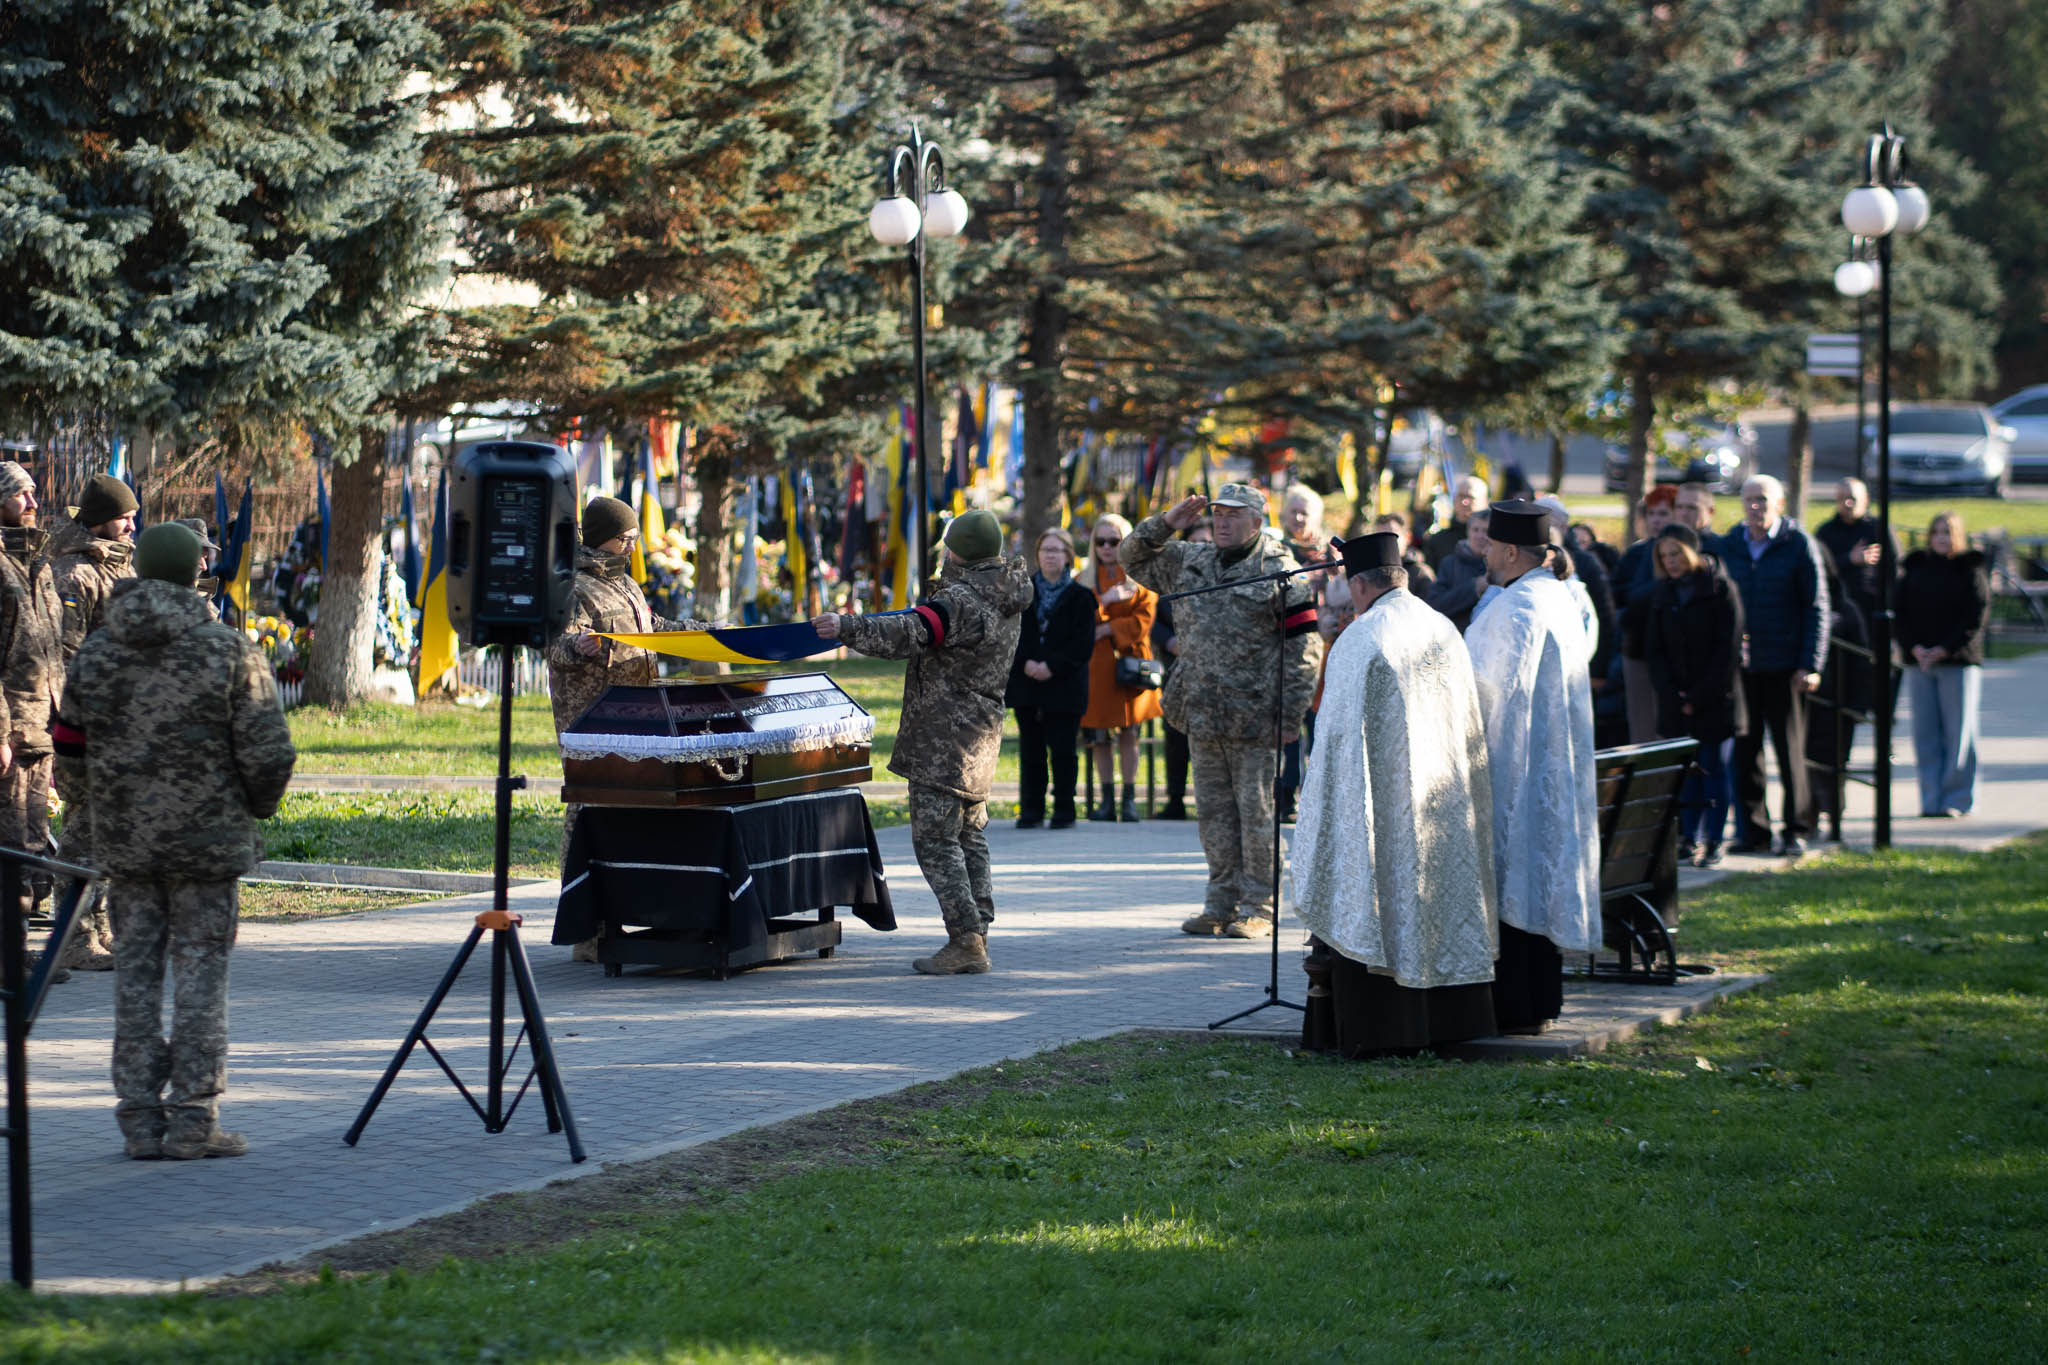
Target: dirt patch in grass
point(622, 1193)
point(290, 902)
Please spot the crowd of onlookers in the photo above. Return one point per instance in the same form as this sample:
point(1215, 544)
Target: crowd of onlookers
point(1720, 636)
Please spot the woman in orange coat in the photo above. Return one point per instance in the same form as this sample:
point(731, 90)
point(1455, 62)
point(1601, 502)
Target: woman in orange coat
point(1123, 628)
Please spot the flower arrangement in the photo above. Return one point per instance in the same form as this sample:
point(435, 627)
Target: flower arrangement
point(283, 644)
point(397, 619)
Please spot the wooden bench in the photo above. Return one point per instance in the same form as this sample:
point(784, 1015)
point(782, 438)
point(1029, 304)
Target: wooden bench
point(1638, 786)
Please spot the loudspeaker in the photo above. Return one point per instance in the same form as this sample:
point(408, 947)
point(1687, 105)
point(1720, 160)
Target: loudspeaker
point(511, 542)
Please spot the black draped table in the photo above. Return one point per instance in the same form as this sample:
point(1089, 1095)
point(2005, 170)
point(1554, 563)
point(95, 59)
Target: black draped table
point(719, 887)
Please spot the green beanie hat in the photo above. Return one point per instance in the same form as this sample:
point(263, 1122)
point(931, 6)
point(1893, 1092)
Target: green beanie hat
point(606, 518)
point(170, 552)
point(975, 535)
point(105, 498)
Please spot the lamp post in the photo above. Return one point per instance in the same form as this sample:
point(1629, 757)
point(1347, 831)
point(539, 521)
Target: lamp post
point(1854, 279)
point(1885, 203)
point(917, 208)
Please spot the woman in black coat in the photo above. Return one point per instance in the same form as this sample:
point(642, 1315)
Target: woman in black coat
point(1048, 686)
point(1944, 609)
point(1693, 644)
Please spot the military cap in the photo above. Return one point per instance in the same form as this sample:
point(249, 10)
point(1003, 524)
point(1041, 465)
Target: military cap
point(1519, 523)
point(607, 519)
point(1363, 554)
point(1240, 495)
point(168, 551)
point(975, 535)
point(198, 528)
point(14, 479)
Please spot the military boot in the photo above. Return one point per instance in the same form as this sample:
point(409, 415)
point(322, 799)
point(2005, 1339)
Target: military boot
point(185, 1145)
point(1249, 926)
point(1209, 923)
point(964, 955)
point(142, 1133)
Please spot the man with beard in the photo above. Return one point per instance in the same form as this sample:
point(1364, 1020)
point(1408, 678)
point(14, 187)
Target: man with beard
point(32, 667)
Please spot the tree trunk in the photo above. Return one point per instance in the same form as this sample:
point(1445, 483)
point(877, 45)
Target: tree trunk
point(1046, 329)
point(1557, 463)
point(1798, 458)
point(714, 506)
point(1362, 473)
point(345, 636)
point(1642, 415)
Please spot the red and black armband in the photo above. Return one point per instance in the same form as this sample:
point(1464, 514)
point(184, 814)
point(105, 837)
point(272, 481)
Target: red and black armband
point(1299, 620)
point(67, 739)
point(937, 620)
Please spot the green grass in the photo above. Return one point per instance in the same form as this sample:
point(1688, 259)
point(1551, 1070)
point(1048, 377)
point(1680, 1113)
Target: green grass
point(1851, 1163)
point(280, 903)
point(437, 831)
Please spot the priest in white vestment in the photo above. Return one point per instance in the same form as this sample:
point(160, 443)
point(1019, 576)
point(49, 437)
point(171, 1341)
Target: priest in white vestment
point(1529, 656)
point(1393, 848)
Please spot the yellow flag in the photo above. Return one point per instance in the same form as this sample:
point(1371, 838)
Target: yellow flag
point(1383, 497)
point(438, 642)
point(1347, 466)
point(793, 552)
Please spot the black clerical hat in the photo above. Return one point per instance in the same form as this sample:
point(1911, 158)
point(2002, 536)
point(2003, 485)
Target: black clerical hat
point(1363, 554)
point(1519, 523)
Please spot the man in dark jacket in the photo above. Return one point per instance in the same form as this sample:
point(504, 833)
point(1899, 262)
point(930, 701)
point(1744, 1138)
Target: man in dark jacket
point(1851, 538)
point(1461, 574)
point(172, 736)
point(1471, 497)
point(1593, 574)
point(960, 641)
point(1776, 568)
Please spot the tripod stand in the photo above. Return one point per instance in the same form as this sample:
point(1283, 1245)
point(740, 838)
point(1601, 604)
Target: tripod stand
point(507, 954)
point(1273, 999)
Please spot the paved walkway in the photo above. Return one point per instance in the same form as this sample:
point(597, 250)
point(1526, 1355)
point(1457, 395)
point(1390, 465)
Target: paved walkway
point(1086, 945)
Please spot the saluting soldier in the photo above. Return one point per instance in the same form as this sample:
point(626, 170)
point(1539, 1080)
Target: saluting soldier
point(1221, 691)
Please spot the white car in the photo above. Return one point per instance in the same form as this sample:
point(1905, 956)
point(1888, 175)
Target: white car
point(2026, 412)
point(1947, 445)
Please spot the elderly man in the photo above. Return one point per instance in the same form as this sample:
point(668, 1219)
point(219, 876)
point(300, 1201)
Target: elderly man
point(1529, 654)
point(172, 736)
point(1469, 497)
point(1853, 539)
point(1393, 856)
point(1777, 570)
point(31, 646)
point(1221, 691)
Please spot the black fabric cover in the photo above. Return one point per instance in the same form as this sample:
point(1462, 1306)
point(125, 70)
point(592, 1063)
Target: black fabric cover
point(724, 869)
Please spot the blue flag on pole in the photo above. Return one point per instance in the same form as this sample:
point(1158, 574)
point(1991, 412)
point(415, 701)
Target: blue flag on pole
point(409, 566)
point(326, 516)
point(220, 517)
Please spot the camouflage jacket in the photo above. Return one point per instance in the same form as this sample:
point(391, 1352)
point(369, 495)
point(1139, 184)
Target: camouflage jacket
point(604, 599)
point(85, 569)
point(1221, 686)
point(31, 645)
point(172, 734)
point(960, 641)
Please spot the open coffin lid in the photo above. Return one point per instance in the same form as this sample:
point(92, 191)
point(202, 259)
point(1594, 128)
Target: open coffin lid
point(716, 741)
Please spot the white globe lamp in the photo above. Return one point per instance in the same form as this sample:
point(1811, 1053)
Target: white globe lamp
point(945, 214)
point(894, 221)
point(1854, 279)
point(1870, 211)
point(1913, 207)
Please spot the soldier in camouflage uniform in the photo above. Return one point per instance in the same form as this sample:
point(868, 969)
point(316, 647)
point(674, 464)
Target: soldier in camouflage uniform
point(31, 670)
point(87, 556)
point(171, 732)
point(603, 600)
point(960, 642)
point(1220, 693)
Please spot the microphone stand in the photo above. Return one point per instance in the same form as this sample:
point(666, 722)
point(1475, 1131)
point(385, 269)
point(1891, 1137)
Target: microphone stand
point(1272, 999)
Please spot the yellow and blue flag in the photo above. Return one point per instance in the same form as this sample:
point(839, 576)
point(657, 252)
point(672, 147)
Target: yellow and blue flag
point(409, 566)
point(735, 644)
point(653, 527)
point(235, 555)
point(438, 643)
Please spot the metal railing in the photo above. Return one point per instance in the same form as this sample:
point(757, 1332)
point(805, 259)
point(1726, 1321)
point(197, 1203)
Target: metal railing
point(22, 989)
point(1844, 718)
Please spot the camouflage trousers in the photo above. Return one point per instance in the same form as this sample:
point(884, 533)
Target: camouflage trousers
point(96, 928)
point(1234, 806)
point(25, 810)
point(172, 1083)
point(946, 833)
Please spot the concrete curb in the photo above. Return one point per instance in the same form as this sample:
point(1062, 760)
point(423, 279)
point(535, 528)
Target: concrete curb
point(348, 877)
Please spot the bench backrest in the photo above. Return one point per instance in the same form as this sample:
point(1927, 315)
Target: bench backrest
point(1638, 788)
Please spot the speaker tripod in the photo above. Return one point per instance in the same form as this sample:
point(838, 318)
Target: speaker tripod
point(508, 957)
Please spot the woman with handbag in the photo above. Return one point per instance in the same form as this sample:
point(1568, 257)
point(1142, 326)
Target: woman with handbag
point(1048, 686)
point(1123, 679)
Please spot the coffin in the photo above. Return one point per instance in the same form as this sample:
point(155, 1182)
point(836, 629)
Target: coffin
point(716, 742)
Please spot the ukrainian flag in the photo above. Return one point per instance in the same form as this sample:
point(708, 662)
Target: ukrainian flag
point(438, 644)
point(236, 557)
point(653, 529)
point(736, 644)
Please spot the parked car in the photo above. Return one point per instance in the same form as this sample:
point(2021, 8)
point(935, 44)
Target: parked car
point(1946, 445)
point(2026, 412)
point(1721, 454)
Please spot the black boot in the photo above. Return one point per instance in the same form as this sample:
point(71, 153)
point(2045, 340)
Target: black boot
point(1106, 811)
point(1174, 809)
point(1130, 806)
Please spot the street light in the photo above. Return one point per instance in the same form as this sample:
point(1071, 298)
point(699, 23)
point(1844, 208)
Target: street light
point(1854, 279)
point(1886, 203)
point(917, 208)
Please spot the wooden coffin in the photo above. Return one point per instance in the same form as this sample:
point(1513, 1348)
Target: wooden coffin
point(716, 742)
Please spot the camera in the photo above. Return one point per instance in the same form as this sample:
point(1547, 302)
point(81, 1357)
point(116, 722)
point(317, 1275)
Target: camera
point(511, 542)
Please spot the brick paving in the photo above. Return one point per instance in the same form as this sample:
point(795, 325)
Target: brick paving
point(1085, 945)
